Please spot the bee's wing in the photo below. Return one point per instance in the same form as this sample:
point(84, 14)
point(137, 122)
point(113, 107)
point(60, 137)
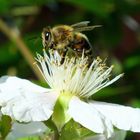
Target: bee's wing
point(86, 28)
point(80, 24)
point(94, 51)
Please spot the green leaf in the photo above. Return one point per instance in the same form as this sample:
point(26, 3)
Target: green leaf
point(30, 138)
point(5, 126)
point(74, 131)
point(49, 123)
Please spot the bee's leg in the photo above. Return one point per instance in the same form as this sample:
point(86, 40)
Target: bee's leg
point(63, 55)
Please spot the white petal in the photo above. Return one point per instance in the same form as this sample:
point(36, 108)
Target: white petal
point(117, 135)
point(122, 117)
point(12, 83)
point(86, 115)
point(25, 101)
point(20, 130)
point(10, 86)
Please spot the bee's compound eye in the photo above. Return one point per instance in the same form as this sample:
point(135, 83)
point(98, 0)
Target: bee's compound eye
point(47, 36)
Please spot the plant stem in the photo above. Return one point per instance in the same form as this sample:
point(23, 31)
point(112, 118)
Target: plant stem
point(14, 35)
point(56, 135)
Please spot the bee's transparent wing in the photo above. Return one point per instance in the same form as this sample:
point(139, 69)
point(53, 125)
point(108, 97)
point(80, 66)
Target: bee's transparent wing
point(86, 28)
point(80, 24)
point(83, 26)
point(94, 52)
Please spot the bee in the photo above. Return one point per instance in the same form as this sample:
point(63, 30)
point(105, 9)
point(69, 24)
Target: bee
point(68, 39)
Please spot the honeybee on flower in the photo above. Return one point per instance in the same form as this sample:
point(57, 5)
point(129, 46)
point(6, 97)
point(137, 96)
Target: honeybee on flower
point(69, 39)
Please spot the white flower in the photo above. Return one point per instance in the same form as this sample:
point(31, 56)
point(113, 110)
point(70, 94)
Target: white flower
point(117, 135)
point(25, 130)
point(71, 85)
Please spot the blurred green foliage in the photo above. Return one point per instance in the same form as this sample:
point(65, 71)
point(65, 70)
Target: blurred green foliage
point(118, 40)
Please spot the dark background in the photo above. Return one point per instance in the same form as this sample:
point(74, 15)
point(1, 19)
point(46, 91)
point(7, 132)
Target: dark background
point(118, 40)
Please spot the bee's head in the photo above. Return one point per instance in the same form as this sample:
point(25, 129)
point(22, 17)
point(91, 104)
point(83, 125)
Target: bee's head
point(47, 38)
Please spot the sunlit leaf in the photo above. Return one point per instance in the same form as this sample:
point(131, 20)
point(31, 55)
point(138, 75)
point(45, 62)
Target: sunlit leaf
point(74, 131)
point(30, 138)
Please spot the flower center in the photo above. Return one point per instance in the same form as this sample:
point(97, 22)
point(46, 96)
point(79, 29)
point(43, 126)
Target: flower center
point(74, 76)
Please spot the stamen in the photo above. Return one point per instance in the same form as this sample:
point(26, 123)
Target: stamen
point(74, 75)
